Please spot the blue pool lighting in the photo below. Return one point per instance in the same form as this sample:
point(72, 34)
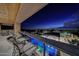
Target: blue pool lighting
point(51, 51)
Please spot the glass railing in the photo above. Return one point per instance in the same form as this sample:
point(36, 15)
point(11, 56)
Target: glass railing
point(42, 48)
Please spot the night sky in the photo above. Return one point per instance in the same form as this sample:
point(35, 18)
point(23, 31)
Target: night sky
point(52, 16)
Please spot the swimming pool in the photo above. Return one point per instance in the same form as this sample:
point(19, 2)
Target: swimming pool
point(50, 50)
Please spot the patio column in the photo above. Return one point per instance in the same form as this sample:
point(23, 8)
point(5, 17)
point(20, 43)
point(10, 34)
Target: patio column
point(17, 28)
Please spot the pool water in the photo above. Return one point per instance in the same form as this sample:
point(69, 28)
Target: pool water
point(51, 51)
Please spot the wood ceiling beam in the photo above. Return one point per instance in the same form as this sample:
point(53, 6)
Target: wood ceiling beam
point(12, 11)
